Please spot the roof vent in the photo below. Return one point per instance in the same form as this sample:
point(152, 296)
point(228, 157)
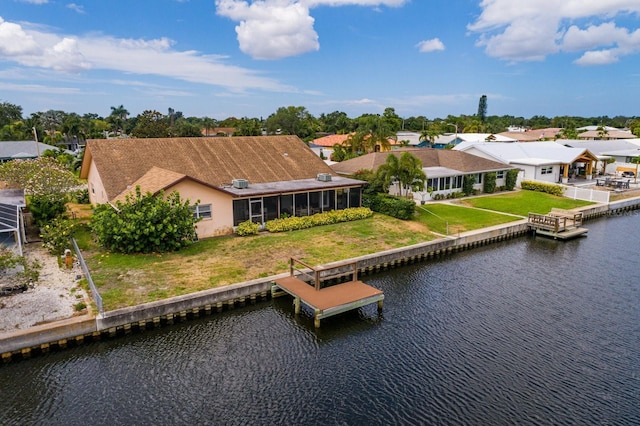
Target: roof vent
point(324, 177)
point(240, 183)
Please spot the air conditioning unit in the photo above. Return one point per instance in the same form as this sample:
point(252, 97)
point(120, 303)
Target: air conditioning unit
point(240, 183)
point(324, 177)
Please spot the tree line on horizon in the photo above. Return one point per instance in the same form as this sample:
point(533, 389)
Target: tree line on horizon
point(56, 127)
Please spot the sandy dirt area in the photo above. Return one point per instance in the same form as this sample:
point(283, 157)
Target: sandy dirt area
point(52, 298)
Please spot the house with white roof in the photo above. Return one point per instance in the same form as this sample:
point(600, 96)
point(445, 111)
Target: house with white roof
point(623, 151)
point(447, 139)
point(541, 161)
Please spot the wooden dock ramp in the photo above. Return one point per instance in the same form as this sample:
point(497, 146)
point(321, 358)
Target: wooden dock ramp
point(305, 284)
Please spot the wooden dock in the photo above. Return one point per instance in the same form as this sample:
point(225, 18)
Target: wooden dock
point(331, 300)
point(559, 224)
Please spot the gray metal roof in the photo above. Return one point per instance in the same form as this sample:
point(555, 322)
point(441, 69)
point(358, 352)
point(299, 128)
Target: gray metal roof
point(23, 149)
point(284, 187)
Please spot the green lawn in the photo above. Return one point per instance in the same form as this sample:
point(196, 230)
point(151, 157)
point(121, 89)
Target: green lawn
point(524, 202)
point(127, 280)
point(443, 217)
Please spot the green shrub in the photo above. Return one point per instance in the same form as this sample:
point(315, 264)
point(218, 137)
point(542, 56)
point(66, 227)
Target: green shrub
point(400, 208)
point(56, 235)
point(549, 188)
point(247, 228)
point(80, 306)
point(511, 179)
point(145, 224)
point(489, 186)
point(325, 218)
point(47, 207)
point(82, 196)
point(467, 184)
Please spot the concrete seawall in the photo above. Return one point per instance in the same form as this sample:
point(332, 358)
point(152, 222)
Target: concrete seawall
point(60, 334)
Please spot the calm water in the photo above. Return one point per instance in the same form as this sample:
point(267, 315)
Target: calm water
point(529, 331)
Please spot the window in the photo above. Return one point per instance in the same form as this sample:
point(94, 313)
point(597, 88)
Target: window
point(479, 178)
point(240, 211)
point(546, 170)
point(500, 174)
point(202, 211)
point(354, 197)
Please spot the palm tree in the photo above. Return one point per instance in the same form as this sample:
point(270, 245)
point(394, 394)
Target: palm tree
point(118, 117)
point(412, 176)
point(406, 171)
point(208, 123)
point(430, 134)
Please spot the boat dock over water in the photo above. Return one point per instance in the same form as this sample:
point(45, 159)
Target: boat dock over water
point(558, 224)
point(312, 287)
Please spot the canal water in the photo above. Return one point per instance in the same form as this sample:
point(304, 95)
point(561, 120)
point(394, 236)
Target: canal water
point(529, 331)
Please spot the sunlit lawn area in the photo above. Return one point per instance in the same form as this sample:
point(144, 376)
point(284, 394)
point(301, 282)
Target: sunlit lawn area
point(524, 202)
point(125, 280)
point(451, 219)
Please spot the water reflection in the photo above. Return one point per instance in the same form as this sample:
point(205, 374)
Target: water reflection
point(528, 331)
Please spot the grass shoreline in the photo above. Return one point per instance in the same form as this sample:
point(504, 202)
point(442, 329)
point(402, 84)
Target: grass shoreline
point(132, 279)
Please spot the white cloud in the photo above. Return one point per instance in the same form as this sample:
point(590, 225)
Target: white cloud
point(76, 7)
point(37, 48)
point(430, 45)
point(14, 41)
point(601, 57)
point(522, 30)
point(274, 29)
point(35, 1)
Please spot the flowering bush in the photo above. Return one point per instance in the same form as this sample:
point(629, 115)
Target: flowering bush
point(56, 235)
point(325, 218)
point(247, 228)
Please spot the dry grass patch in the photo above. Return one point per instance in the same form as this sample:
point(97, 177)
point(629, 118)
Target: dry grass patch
point(126, 280)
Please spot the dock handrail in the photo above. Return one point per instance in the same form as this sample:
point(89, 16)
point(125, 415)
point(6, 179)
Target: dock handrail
point(318, 274)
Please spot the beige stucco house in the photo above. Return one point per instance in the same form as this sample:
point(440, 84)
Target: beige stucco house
point(235, 179)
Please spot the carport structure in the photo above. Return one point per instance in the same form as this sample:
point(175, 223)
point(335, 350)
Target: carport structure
point(11, 224)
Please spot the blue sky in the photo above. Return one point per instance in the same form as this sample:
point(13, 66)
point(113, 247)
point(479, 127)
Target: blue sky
point(222, 58)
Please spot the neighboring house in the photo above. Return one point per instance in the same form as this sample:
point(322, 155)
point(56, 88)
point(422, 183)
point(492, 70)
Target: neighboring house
point(532, 135)
point(445, 140)
point(445, 169)
point(23, 150)
point(543, 161)
point(621, 150)
point(411, 139)
point(327, 142)
point(236, 179)
point(606, 134)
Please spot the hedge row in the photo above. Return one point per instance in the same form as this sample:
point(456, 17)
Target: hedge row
point(325, 218)
point(400, 208)
point(549, 188)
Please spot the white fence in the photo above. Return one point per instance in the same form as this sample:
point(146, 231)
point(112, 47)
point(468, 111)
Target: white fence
point(586, 194)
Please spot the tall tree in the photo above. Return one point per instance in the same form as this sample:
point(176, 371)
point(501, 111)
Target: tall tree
point(430, 133)
point(406, 171)
point(482, 110)
point(208, 124)
point(9, 113)
point(118, 118)
point(150, 124)
point(291, 121)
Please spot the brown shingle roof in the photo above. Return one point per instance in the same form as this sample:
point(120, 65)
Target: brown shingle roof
point(213, 161)
point(155, 180)
point(430, 157)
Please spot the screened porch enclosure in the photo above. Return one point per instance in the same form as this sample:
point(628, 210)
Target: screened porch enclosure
point(263, 209)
